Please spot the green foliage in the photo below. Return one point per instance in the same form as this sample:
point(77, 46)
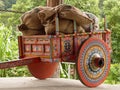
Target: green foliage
point(6, 43)
point(8, 3)
point(85, 5)
point(114, 75)
point(15, 72)
point(111, 10)
point(64, 71)
point(1, 4)
point(25, 5)
point(116, 43)
point(68, 70)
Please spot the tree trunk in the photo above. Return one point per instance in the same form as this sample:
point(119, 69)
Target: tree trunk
point(52, 3)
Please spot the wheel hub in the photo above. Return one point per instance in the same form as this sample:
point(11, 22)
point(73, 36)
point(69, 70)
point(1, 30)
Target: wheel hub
point(98, 61)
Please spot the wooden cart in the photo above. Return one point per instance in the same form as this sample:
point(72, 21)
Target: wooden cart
point(90, 51)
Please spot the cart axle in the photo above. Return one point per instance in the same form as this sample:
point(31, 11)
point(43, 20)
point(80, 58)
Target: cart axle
point(19, 62)
point(99, 62)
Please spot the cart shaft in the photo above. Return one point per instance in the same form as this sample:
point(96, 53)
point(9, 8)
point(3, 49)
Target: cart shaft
point(19, 62)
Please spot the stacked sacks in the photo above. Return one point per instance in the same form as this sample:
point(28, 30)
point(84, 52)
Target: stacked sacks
point(42, 20)
point(31, 24)
point(65, 27)
point(66, 15)
point(82, 18)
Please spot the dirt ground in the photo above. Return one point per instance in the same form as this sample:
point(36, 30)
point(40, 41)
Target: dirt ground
point(31, 83)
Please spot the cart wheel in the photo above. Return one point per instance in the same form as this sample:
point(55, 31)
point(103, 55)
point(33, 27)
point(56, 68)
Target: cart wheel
point(42, 70)
point(93, 62)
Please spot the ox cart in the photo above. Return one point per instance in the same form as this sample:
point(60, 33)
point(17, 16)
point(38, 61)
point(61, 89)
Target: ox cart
point(42, 54)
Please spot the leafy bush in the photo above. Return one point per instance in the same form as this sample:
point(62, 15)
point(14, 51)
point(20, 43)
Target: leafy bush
point(9, 51)
point(114, 74)
point(7, 43)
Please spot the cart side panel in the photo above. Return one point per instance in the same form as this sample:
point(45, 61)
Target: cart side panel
point(42, 46)
point(34, 46)
point(67, 48)
point(97, 35)
point(107, 38)
point(103, 35)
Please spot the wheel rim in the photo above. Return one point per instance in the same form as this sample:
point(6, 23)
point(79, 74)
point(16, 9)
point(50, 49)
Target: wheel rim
point(93, 62)
point(42, 70)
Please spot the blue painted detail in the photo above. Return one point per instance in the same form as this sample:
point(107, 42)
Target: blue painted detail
point(75, 27)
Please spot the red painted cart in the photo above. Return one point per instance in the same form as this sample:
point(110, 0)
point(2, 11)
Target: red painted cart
point(90, 51)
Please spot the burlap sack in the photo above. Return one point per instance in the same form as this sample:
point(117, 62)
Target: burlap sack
point(30, 31)
point(73, 13)
point(95, 24)
point(65, 27)
point(46, 14)
point(30, 23)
